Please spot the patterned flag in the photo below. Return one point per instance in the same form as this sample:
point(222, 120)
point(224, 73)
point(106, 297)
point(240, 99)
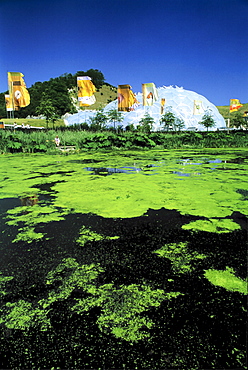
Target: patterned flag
point(18, 93)
point(126, 98)
point(150, 94)
point(86, 91)
point(198, 108)
point(235, 105)
point(162, 105)
point(8, 103)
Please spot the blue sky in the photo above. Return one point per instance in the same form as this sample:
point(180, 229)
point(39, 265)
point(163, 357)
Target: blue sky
point(201, 45)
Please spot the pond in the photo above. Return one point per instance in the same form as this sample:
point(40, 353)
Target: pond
point(124, 260)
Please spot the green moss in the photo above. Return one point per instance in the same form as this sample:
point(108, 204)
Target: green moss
point(227, 280)
point(212, 226)
point(180, 256)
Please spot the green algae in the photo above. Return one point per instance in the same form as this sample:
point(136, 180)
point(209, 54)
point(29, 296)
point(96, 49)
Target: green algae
point(122, 312)
point(123, 308)
point(28, 235)
point(3, 281)
point(181, 180)
point(180, 256)
point(209, 194)
point(87, 235)
point(30, 216)
point(22, 315)
point(226, 279)
point(212, 226)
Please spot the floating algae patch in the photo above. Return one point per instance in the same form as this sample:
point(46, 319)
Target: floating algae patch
point(212, 226)
point(227, 280)
point(70, 275)
point(27, 234)
point(86, 235)
point(180, 256)
point(30, 216)
point(209, 195)
point(22, 315)
point(123, 308)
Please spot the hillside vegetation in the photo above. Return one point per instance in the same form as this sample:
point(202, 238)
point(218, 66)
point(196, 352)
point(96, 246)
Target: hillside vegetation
point(62, 91)
point(224, 110)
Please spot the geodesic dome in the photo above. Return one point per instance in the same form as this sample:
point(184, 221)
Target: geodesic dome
point(177, 100)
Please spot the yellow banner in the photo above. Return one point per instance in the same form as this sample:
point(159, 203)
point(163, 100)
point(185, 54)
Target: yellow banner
point(126, 98)
point(86, 90)
point(8, 103)
point(150, 94)
point(19, 95)
point(235, 105)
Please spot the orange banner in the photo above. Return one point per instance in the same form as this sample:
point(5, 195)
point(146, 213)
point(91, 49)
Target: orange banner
point(126, 98)
point(235, 105)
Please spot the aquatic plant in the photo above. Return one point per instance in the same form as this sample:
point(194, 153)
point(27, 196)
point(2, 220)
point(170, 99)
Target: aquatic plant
point(30, 217)
point(226, 279)
point(122, 309)
point(87, 235)
point(3, 281)
point(212, 225)
point(180, 256)
point(22, 315)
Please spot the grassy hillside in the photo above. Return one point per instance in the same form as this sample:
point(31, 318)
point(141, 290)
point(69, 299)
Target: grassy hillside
point(224, 110)
point(104, 95)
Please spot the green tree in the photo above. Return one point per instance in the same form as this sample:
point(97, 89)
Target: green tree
point(115, 116)
point(96, 76)
point(98, 122)
point(146, 123)
point(168, 120)
point(207, 120)
point(237, 120)
point(47, 109)
point(179, 124)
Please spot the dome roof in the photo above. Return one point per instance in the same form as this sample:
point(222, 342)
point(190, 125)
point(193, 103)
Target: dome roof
point(177, 100)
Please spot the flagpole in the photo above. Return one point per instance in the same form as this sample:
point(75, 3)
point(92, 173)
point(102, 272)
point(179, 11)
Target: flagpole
point(228, 120)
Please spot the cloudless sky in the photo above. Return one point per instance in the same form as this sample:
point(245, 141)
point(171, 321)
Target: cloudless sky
point(201, 45)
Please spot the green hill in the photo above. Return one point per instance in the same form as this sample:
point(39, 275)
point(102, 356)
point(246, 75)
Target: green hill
point(62, 91)
point(104, 95)
point(224, 110)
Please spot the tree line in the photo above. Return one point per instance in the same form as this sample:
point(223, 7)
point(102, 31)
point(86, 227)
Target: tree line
point(56, 91)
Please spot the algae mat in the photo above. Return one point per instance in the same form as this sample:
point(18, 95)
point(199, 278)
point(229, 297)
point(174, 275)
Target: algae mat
point(124, 260)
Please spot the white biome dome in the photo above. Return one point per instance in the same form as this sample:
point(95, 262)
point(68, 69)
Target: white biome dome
point(180, 102)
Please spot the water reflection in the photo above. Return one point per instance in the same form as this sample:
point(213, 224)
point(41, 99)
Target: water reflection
point(29, 200)
point(105, 171)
